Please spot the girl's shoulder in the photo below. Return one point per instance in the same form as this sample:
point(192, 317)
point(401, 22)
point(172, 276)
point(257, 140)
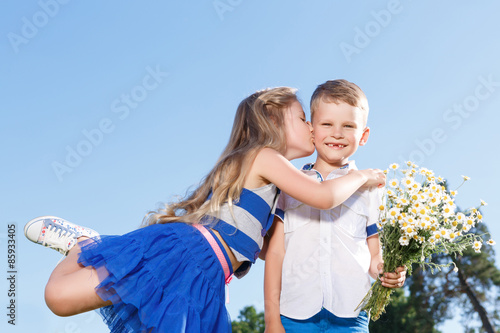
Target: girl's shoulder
point(265, 158)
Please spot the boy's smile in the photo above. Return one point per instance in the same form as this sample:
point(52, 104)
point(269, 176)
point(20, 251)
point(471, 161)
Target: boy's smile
point(335, 146)
point(339, 129)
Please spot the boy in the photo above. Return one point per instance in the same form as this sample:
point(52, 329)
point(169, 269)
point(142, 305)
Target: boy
point(319, 261)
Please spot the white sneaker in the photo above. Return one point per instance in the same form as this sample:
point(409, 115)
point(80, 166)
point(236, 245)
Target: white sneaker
point(56, 233)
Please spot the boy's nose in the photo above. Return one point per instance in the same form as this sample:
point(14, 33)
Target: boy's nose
point(337, 133)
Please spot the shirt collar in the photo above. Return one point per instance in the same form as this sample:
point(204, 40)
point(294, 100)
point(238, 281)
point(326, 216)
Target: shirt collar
point(343, 170)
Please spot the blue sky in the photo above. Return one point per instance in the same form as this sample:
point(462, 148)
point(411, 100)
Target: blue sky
point(111, 107)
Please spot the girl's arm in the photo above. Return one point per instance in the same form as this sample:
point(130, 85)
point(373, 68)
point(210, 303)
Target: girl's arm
point(272, 278)
point(275, 168)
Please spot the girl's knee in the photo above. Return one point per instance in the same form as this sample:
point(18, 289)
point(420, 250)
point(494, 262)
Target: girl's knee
point(57, 300)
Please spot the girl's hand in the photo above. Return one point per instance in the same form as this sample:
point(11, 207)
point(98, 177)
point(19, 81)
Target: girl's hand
point(393, 280)
point(374, 177)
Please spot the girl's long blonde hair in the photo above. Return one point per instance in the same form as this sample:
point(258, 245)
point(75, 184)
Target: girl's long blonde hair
point(259, 123)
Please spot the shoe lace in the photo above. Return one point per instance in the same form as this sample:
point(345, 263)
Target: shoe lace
point(58, 238)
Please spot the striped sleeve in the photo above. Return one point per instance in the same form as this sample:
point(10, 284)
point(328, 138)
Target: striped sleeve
point(281, 207)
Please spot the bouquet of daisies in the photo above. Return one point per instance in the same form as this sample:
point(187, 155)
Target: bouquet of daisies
point(418, 220)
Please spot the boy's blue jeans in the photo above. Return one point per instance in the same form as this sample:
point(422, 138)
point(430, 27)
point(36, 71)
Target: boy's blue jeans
point(326, 322)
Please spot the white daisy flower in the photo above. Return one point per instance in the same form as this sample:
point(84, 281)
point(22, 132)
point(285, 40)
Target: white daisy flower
point(404, 240)
point(448, 211)
point(394, 183)
point(469, 222)
point(394, 166)
point(408, 182)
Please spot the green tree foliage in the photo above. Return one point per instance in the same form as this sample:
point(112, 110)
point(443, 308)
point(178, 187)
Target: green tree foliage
point(249, 321)
point(474, 289)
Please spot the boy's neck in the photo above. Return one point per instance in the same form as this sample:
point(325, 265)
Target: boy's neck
point(325, 168)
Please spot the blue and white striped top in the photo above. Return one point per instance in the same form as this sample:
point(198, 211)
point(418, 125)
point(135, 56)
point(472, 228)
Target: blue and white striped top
point(244, 228)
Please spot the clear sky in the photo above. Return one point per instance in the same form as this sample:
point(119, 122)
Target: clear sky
point(111, 107)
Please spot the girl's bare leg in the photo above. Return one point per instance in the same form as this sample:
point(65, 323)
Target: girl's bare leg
point(71, 287)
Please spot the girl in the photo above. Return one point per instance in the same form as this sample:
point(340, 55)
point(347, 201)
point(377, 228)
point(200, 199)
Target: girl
point(169, 276)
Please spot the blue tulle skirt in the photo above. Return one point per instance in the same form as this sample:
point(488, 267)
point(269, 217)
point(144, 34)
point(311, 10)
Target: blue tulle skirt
point(161, 278)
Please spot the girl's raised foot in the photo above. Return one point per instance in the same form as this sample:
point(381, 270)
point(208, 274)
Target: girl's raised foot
point(56, 233)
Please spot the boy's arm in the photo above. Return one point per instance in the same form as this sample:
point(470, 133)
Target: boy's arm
point(272, 277)
point(263, 252)
point(389, 280)
point(376, 256)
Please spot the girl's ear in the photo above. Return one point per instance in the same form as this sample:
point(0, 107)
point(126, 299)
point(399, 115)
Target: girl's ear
point(364, 136)
point(273, 119)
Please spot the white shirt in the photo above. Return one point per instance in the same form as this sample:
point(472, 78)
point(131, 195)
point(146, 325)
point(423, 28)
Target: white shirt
point(327, 259)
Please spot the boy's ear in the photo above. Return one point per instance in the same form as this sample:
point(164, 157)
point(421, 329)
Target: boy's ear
point(311, 128)
point(364, 137)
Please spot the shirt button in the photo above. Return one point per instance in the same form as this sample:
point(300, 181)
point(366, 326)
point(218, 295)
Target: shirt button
point(263, 232)
point(256, 255)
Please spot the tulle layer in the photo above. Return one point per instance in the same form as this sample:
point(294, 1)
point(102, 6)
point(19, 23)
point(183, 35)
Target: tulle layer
point(162, 278)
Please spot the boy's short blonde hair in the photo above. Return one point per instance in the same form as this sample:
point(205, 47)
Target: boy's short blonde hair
point(337, 91)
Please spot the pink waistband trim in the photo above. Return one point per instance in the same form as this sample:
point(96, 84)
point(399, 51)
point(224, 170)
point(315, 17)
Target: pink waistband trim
point(215, 246)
